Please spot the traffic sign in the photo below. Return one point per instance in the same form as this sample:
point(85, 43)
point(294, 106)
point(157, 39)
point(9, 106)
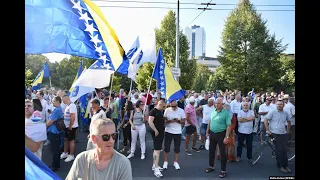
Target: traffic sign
point(176, 72)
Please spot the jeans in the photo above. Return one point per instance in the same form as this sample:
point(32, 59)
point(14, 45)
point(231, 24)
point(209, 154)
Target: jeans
point(280, 143)
point(141, 131)
point(126, 135)
point(198, 124)
point(61, 135)
point(183, 131)
point(249, 139)
point(55, 148)
point(256, 124)
point(217, 138)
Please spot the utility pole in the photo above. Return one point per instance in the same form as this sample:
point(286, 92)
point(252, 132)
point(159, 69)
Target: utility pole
point(177, 42)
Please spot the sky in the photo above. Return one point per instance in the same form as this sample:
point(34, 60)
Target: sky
point(128, 23)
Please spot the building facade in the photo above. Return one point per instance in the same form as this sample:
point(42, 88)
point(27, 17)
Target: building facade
point(196, 36)
point(210, 62)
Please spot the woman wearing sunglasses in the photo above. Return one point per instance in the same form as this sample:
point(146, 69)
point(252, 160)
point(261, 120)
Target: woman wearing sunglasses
point(102, 162)
point(138, 127)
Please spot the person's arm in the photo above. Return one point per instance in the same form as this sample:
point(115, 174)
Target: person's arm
point(32, 145)
point(130, 120)
point(152, 126)
point(208, 128)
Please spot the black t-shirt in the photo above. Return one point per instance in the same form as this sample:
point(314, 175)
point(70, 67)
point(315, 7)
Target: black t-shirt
point(108, 114)
point(203, 102)
point(180, 104)
point(158, 119)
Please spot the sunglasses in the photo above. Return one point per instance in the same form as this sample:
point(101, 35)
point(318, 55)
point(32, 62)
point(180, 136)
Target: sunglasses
point(106, 137)
point(174, 106)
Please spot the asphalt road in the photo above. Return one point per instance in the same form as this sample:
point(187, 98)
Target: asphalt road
point(192, 167)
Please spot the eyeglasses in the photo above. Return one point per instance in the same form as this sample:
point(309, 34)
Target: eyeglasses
point(106, 137)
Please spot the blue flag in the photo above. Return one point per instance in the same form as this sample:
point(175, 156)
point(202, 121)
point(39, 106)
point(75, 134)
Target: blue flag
point(75, 27)
point(35, 169)
point(167, 85)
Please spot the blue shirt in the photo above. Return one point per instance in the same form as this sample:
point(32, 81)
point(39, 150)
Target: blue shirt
point(55, 115)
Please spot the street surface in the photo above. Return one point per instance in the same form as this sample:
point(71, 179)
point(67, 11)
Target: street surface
point(192, 167)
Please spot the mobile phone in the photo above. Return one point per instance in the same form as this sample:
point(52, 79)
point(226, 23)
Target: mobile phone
point(49, 111)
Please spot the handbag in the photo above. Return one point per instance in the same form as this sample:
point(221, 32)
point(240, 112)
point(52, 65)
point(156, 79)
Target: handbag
point(60, 124)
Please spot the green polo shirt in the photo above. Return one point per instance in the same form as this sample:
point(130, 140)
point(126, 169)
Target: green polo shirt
point(219, 120)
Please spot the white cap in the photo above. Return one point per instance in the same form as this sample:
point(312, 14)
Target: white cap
point(191, 99)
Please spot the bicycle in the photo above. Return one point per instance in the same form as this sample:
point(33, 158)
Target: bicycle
point(269, 140)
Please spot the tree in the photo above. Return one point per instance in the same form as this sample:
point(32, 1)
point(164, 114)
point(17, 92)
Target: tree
point(249, 56)
point(287, 71)
point(67, 70)
point(27, 78)
point(34, 63)
point(166, 39)
point(218, 80)
point(202, 77)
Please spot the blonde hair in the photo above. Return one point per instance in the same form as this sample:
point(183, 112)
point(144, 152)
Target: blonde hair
point(95, 129)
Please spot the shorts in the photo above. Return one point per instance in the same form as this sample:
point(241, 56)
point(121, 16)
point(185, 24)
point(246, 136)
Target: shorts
point(168, 137)
point(191, 130)
point(262, 127)
point(157, 141)
point(203, 129)
point(70, 135)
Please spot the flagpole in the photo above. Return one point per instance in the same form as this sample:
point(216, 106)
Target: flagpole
point(130, 88)
point(110, 89)
point(144, 109)
point(50, 81)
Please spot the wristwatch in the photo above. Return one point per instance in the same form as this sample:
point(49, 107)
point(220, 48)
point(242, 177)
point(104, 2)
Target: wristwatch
point(227, 137)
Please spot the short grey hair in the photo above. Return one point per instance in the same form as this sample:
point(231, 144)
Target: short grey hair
point(210, 100)
point(95, 128)
point(219, 99)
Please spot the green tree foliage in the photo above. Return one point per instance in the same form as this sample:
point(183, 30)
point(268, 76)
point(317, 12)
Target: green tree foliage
point(287, 70)
point(166, 39)
point(249, 56)
point(27, 77)
point(202, 76)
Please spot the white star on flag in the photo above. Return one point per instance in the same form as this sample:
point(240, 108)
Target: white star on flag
point(162, 61)
point(99, 49)
point(104, 58)
point(76, 5)
point(162, 83)
point(161, 67)
point(161, 72)
point(90, 28)
point(161, 77)
point(95, 39)
point(85, 17)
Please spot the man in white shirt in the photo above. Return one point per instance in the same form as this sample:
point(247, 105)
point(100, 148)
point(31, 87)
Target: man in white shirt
point(39, 96)
point(98, 113)
point(206, 114)
point(263, 111)
point(291, 110)
point(174, 117)
point(235, 108)
point(71, 122)
point(245, 128)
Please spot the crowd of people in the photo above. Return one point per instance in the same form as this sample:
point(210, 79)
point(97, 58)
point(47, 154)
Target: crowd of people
point(51, 119)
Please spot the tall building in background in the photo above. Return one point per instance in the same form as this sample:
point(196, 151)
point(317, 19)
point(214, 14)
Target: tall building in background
point(197, 41)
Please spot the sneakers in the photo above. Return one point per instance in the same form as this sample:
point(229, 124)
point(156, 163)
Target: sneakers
point(287, 169)
point(238, 159)
point(195, 149)
point(201, 147)
point(160, 168)
point(130, 155)
point(188, 153)
point(157, 173)
point(283, 170)
point(142, 156)
point(165, 165)
point(69, 158)
point(176, 165)
point(64, 155)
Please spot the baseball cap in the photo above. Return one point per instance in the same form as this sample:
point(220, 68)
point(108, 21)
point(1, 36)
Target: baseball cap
point(191, 99)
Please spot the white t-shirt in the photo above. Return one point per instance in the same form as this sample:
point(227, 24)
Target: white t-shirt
point(63, 106)
point(245, 127)
point(207, 113)
point(134, 100)
point(174, 128)
point(264, 108)
point(71, 108)
point(274, 106)
point(235, 106)
point(291, 110)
